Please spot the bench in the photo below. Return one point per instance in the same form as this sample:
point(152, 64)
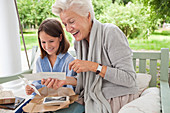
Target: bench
point(154, 57)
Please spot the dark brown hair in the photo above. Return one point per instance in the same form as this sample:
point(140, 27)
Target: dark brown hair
point(53, 28)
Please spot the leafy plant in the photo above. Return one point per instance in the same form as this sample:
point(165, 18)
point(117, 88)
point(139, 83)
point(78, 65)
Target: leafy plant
point(33, 12)
point(132, 18)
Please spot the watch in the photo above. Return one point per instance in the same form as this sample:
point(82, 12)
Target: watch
point(99, 68)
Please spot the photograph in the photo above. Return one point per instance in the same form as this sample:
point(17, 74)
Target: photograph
point(55, 100)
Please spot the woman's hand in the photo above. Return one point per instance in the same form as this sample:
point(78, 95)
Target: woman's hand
point(53, 83)
point(83, 66)
point(29, 90)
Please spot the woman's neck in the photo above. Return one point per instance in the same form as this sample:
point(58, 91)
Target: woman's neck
point(90, 27)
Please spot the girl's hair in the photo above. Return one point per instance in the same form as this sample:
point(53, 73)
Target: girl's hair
point(53, 28)
point(81, 7)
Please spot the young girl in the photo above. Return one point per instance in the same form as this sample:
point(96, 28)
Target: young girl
point(54, 56)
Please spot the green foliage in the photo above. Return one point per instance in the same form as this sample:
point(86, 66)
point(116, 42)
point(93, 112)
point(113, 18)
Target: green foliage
point(100, 7)
point(167, 19)
point(124, 1)
point(33, 12)
point(30, 40)
point(154, 42)
point(165, 33)
point(135, 19)
point(159, 8)
point(132, 19)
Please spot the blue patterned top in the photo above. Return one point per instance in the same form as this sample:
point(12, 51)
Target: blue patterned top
point(61, 65)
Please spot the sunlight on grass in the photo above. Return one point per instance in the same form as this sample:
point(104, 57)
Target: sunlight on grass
point(30, 41)
point(154, 42)
point(159, 37)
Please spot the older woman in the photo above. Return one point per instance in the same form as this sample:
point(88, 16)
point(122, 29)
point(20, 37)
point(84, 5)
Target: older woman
point(106, 79)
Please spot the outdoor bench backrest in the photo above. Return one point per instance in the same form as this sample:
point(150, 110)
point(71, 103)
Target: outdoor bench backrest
point(162, 57)
point(155, 57)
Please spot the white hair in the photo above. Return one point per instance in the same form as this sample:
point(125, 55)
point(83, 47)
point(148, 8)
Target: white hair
point(81, 7)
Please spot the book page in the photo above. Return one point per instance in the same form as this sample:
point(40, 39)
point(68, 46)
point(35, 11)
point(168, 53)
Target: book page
point(6, 94)
point(45, 75)
point(6, 111)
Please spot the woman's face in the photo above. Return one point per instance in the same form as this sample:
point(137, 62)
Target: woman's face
point(49, 44)
point(78, 26)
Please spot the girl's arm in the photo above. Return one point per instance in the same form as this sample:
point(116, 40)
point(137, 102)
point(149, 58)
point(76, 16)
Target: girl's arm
point(54, 83)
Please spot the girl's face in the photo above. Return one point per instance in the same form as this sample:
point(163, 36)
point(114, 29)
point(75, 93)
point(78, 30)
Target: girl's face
point(79, 26)
point(49, 44)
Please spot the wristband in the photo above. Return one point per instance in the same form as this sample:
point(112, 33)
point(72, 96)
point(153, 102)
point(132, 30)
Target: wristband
point(99, 68)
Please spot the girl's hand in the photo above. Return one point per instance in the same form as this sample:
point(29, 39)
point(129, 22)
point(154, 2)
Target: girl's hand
point(53, 83)
point(29, 90)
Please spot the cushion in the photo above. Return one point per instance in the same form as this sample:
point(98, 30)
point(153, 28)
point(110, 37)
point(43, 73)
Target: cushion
point(149, 90)
point(142, 81)
point(149, 102)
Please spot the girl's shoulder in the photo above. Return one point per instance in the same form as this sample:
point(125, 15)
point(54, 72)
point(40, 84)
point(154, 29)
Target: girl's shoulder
point(39, 59)
point(69, 56)
point(66, 56)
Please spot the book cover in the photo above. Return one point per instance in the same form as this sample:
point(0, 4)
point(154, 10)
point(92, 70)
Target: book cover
point(7, 97)
point(18, 101)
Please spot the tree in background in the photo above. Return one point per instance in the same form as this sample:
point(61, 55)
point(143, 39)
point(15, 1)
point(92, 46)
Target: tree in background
point(122, 1)
point(133, 17)
point(160, 9)
point(33, 12)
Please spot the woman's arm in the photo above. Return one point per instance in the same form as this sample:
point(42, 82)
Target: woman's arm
point(83, 66)
point(71, 81)
point(121, 71)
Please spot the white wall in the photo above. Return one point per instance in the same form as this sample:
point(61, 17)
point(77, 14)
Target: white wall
point(10, 56)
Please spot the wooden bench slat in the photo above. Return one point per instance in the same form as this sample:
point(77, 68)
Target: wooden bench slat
point(153, 72)
point(134, 64)
point(147, 55)
point(142, 65)
point(165, 96)
point(164, 64)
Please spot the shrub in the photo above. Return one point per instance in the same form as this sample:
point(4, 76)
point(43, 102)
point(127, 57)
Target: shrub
point(33, 12)
point(132, 19)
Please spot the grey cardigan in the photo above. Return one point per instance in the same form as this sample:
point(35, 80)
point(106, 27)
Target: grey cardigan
point(114, 52)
